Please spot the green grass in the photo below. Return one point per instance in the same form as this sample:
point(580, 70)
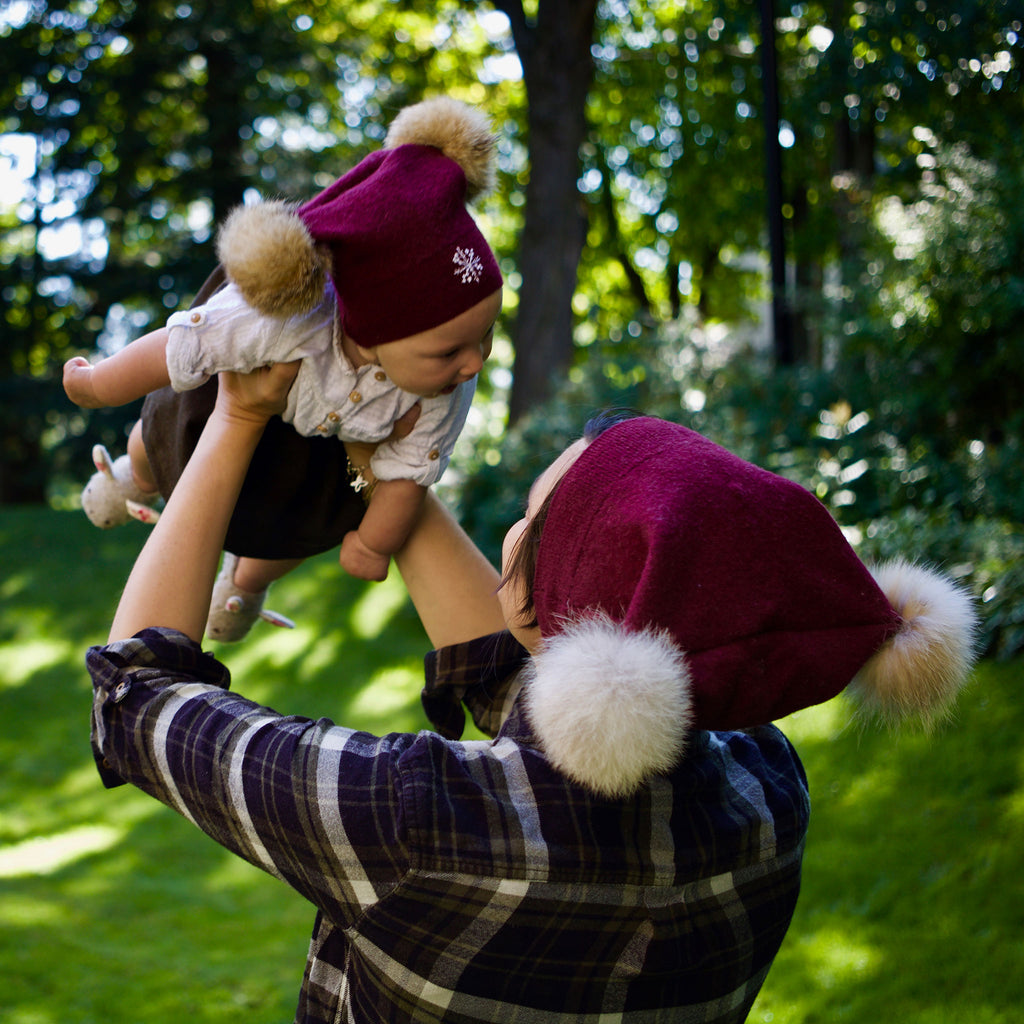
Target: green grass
point(114, 910)
point(911, 908)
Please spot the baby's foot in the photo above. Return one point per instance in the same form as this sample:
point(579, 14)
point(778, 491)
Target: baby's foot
point(105, 497)
point(233, 610)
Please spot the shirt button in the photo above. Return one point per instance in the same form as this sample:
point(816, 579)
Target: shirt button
point(196, 317)
point(381, 376)
point(355, 396)
point(120, 691)
point(322, 427)
point(434, 455)
point(333, 417)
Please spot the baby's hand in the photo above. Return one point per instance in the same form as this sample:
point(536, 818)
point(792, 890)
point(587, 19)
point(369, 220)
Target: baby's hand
point(360, 561)
point(78, 383)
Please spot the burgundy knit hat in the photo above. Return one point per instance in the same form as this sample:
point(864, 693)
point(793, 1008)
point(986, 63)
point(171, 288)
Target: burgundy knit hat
point(678, 586)
point(394, 233)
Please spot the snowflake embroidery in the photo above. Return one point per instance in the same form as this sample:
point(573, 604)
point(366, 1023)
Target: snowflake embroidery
point(468, 266)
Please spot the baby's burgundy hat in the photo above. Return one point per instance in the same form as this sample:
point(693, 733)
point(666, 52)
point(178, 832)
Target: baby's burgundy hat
point(393, 234)
point(679, 587)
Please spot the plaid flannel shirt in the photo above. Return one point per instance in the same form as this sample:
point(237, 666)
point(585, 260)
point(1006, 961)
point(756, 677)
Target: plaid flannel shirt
point(469, 881)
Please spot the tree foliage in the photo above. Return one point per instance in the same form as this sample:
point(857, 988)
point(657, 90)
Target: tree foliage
point(631, 203)
point(682, 168)
point(148, 122)
point(138, 115)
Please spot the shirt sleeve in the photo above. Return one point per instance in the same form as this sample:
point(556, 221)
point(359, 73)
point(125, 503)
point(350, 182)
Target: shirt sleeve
point(228, 334)
point(482, 676)
point(310, 802)
point(424, 454)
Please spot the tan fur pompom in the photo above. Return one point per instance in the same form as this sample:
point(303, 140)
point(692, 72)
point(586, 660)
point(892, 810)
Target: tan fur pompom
point(268, 253)
point(918, 673)
point(462, 133)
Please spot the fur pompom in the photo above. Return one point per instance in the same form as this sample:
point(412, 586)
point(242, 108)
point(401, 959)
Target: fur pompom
point(918, 672)
point(610, 707)
point(268, 253)
point(462, 133)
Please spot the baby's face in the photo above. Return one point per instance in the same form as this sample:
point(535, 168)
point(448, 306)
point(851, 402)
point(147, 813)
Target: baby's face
point(435, 362)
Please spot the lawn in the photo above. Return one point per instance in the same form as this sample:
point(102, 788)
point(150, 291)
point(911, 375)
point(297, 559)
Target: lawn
point(114, 910)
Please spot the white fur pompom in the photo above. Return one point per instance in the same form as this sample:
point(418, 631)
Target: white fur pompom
point(269, 254)
point(462, 133)
point(610, 707)
point(918, 672)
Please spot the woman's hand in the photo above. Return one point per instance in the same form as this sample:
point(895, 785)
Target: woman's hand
point(255, 397)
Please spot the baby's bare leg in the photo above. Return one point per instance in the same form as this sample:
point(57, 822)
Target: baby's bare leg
point(256, 574)
point(142, 474)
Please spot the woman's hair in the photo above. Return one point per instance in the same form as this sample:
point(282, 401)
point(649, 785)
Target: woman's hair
point(522, 563)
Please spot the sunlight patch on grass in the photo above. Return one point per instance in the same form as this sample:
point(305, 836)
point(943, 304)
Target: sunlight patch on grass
point(81, 782)
point(1015, 807)
point(13, 584)
point(265, 657)
point(231, 873)
point(77, 796)
point(323, 654)
point(837, 960)
point(375, 609)
point(18, 912)
point(387, 694)
point(22, 660)
point(26, 1015)
point(46, 854)
point(866, 789)
point(822, 722)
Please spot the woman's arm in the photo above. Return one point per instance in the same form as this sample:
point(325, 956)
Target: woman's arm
point(171, 582)
point(139, 368)
point(453, 587)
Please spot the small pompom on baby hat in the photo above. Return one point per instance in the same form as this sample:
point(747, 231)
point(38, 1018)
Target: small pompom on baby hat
point(393, 234)
point(679, 587)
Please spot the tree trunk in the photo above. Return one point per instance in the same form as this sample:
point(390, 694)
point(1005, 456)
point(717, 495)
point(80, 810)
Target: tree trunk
point(224, 100)
point(558, 70)
point(853, 162)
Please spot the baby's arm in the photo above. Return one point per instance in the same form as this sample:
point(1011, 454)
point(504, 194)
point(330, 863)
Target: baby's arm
point(139, 368)
point(389, 517)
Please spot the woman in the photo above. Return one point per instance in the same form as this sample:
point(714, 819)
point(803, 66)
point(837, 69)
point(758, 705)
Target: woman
point(605, 854)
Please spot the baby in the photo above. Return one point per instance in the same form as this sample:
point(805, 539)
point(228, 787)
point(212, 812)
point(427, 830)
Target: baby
point(384, 289)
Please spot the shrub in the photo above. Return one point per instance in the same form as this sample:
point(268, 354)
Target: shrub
point(986, 555)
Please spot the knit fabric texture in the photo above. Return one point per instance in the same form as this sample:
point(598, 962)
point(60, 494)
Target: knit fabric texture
point(407, 254)
point(657, 527)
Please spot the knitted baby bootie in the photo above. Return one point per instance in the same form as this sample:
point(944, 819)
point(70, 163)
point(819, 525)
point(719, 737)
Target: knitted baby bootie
point(106, 495)
point(233, 610)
